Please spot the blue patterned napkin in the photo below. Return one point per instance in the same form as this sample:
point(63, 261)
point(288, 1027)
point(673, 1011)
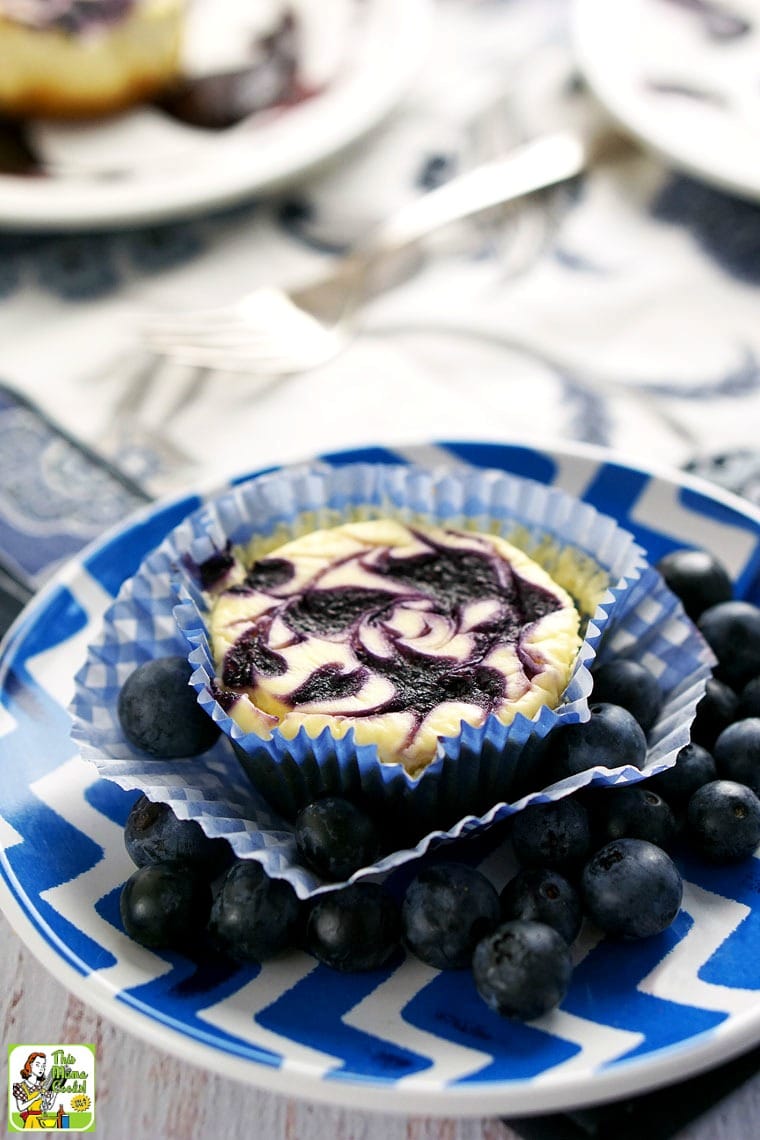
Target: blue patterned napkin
point(623, 308)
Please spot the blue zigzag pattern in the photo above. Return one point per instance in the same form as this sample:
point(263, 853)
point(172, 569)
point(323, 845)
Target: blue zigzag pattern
point(51, 852)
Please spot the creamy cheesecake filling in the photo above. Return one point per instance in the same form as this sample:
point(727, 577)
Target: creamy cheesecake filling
point(398, 632)
point(85, 58)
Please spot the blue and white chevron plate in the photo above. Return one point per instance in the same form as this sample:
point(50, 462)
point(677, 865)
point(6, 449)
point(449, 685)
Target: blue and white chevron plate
point(406, 1038)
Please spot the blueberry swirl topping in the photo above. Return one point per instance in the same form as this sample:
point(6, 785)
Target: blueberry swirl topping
point(400, 633)
point(71, 16)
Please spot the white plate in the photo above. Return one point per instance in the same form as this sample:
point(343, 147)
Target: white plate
point(406, 1038)
point(185, 171)
point(682, 75)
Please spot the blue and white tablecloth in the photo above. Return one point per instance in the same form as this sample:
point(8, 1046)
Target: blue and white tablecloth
point(621, 310)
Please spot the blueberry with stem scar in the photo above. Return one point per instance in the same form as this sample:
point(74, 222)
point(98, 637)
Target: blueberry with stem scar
point(631, 889)
point(523, 969)
point(724, 821)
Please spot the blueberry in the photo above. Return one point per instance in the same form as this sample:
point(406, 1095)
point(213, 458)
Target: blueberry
point(334, 838)
point(724, 821)
point(717, 709)
point(523, 969)
point(17, 156)
point(221, 99)
point(736, 470)
point(749, 700)
point(737, 753)
point(694, 767)
point(159, 713)
point(80, 16)
point(253, 916)
point(697, 578)
point(539, 894)
point(10, 275)
point(631, 889)
point(723, 225)
point(611, 738)
point(637, 813)
point(162, 247)
point(165, 905)
point(355, 928)
point(554, 834)
point(154, 834)
point(632, 686)
point(78, 267)
point(732, 630)
point(436, 169)
point(446, 910)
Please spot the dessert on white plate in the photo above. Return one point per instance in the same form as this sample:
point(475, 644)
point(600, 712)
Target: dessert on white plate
point(303, 81)
point(104, 88)
point(210, 64)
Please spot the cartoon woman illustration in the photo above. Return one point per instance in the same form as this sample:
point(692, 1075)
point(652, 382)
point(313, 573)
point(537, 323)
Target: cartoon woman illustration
point(33, 1096)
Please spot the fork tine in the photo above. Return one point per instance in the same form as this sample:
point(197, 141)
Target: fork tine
point(263, 303)
point(237, 336)
point(203, 314)
point(192, 321)
point(256, 317)
point(232, 312)
point(187, 324)
point(275, 356)
point(255, 338)
point(270, 325)
point(267, 365)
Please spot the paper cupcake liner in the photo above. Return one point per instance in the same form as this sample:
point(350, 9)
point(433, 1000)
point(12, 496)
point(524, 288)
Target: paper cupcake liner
point(477, 777)
point(476, 767)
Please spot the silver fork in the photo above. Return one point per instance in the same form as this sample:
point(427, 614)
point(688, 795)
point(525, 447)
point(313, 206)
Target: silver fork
point(274, 332)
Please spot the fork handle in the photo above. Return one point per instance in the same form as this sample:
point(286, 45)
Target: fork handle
point(542, 162)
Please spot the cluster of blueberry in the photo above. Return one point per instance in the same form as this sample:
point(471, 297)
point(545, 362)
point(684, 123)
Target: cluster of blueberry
point(603, 853)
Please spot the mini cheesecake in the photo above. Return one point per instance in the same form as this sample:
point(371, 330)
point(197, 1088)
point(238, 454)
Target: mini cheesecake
point(85, 58)
point(398, 632)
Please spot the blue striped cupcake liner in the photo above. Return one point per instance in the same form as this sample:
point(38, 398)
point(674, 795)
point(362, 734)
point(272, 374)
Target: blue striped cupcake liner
point(477, 777)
